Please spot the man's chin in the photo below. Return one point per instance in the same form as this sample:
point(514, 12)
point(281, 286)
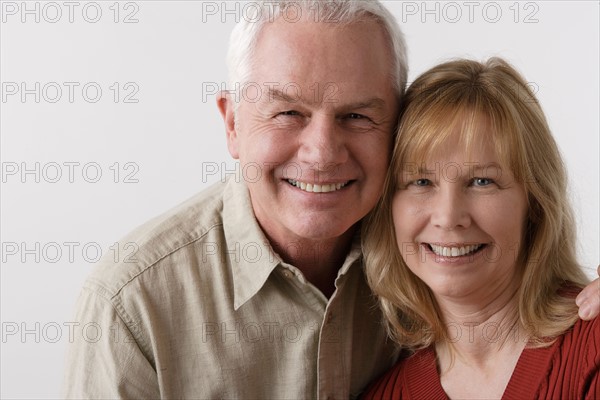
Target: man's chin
point(322, 229)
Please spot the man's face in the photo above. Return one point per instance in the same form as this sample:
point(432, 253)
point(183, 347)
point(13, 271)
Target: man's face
point(313, 131)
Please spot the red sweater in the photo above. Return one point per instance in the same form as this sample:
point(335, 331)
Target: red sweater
point(568, 369)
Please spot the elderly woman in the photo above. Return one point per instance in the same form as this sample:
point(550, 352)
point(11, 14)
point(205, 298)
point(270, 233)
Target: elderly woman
point(478, 274)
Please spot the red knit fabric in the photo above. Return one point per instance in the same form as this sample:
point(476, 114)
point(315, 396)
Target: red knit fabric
point(569, 369)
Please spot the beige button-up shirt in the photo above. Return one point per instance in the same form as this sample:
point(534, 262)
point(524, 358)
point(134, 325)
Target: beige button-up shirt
point(205, 309)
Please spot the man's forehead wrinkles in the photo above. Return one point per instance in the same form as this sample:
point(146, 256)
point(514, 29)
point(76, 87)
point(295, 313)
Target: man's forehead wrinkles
point(296, 97)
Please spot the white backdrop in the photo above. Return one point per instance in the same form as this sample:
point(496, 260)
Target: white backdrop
point(108, 118)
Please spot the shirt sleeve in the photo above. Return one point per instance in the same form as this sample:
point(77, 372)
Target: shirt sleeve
point(104, 361)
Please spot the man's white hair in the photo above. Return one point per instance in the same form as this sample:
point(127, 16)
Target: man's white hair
point(244, 37)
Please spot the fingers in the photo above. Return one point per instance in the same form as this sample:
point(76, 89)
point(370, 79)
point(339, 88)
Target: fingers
point(589, 300)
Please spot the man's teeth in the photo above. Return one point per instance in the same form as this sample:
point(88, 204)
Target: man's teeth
point(454, 251)
point(315, 188)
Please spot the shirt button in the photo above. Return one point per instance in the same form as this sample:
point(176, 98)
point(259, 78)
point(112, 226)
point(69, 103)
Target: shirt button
point(287, 274)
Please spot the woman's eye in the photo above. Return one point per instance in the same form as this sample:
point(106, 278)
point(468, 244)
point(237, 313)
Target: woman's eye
point(422, 182)
point(482, 181)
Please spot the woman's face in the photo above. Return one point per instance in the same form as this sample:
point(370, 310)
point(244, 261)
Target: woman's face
point(459, 221)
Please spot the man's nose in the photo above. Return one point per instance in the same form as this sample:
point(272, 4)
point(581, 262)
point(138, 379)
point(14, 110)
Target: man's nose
point(322, 143)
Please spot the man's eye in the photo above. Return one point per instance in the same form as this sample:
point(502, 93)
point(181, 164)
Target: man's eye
point(481, 181)
point(355, 116)
point(289, 113)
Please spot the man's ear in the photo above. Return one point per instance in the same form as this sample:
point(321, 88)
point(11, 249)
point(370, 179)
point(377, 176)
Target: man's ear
point(226, 105)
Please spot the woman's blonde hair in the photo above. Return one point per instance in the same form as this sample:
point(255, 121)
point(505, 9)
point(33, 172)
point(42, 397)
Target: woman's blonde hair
point(461, 95)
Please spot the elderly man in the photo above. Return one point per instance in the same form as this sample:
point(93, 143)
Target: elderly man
point(254, 288)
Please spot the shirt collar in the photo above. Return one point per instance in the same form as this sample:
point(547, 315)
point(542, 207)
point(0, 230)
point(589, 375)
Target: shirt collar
point(354, 255)
point(251, 256)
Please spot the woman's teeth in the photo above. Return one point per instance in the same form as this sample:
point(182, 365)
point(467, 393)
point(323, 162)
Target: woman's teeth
point(316, 188)
point(454, 251)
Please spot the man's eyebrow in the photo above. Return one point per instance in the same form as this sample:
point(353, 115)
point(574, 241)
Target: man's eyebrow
point(278, 95)
point(373, 103)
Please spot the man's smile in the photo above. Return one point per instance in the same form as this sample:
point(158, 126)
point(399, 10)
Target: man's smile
point(318, 187)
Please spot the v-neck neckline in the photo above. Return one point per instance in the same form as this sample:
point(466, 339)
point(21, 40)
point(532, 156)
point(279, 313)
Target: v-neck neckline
point(533, 362)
